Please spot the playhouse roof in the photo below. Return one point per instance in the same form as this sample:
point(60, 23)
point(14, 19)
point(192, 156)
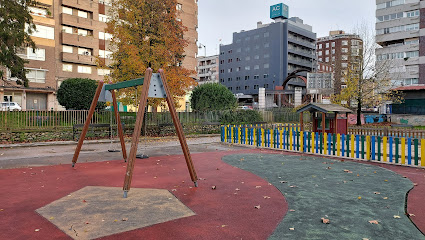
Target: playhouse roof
point(325, 108)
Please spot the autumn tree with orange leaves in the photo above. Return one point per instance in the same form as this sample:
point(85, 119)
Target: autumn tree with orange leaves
point(146, 33)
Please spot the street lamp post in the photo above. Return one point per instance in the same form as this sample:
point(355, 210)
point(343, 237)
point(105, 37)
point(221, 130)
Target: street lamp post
point(205, 48)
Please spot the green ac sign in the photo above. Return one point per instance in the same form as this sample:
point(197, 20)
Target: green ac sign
point(279, 10)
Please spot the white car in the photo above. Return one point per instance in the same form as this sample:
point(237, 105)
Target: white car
point(10, 106)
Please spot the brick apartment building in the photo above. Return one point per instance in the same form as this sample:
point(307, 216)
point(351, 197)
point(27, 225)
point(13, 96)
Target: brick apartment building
point(70, 34)
point(338, 52)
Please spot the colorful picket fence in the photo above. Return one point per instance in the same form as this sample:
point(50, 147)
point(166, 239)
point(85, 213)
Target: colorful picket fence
point(393, 150)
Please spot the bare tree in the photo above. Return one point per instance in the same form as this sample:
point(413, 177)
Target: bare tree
point(368, 79)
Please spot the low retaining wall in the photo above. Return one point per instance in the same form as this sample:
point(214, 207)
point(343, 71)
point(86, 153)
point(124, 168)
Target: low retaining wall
point(414, 120)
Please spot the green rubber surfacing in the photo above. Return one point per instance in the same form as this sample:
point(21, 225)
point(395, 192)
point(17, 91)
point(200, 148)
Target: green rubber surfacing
point(318, 188)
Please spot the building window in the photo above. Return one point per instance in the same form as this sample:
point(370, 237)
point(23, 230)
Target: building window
point(230, 70)
point(412, 54)
point(246, 87)
point(221, 61)
point(344, 65)
point(67, 10)
point(266, 85)
point(83, 14)
point(84, 69)
point(67, 49)
point(333, 44)
point(266, 45)
point(266, 76)
point(44, 32)
point(36, 76)
point(238, 69)
point(256, 57)
point(257, 47)
point(327, 59)
point(327, 52)
point(229, 60)
point(320, 59)
point(266, 65)
point(256, 76)
point(333, 58)
point(238, 88)
point(103, 18)
point(38, 54)
point(222, 71)
point(238, 40)
point(344, 43)
point(247, 68)
point(247, 49)
point(248, 58)
point(42, 12)
point(67, 67)
point(247, 38)
point(320, 53)
point(255, 86)
point(230, 88)
point(256, 67)
point(266, 34)
point(221, 79)
point(344, 50)
point(344, 57)
point(229, 79)
point(327, 45)
point(103, 72)
point(320, 46)
point(230, 51)
point(256, 37)
point(238, 78)
point(67, 29)
point(82, 32)
point(238, 59)
point(84, 51)
point(266, 55)
point(246, 77)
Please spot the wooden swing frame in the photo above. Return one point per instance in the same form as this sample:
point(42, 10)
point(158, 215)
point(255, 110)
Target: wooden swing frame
point(145, 82)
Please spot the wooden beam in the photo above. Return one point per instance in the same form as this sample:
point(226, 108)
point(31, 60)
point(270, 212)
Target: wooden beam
point(336, 123)
point(119, 126)
point(136, 133)
point(323, 122)
point(125, 84)
point(179, 129)
point(87, 123)
point(346, 116)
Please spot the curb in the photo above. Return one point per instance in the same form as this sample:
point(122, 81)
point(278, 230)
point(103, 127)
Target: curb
point(55, 143)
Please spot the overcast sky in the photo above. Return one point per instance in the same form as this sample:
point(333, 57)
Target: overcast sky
point(218, 19)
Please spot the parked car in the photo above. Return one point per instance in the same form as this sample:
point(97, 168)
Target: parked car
point(10, 106)
point(243, 108)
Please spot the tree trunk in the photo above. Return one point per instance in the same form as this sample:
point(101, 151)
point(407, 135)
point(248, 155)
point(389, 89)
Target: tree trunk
point(359, 112)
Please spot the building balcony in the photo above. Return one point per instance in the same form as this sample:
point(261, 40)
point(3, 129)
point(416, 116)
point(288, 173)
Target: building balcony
point(45, 2)
point(396, 36)
point(78, 40)
point(80, 59)
point(87, 5)
point(76, 21)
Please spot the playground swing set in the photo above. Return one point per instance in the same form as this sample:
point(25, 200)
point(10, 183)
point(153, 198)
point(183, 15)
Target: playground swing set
point(153, 85)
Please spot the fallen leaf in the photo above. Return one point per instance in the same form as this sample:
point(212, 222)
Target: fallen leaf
point(1, 209)
point(373, 222)
point(237, 189)
point(266, 197)
point(374, 172)
point(37, 230)
point(124, 219)
point(257, 186)
point(328, 168)
point(411, 215)
point(386, 180)
point(291, 210)
point(325, 221)
point(415, 184)
point(359, 197)
point(87, 223)
point(397, 216)
point(292, 229)
point(257, 207)
point(377, 193)
point(173, 190)
point(84, 201)
point(51, 218)
point(283, 181)
point(115, 220)
point(217, 169)
point(365, 238)
point(385, 197)
point(213, 187)
point(292, 186)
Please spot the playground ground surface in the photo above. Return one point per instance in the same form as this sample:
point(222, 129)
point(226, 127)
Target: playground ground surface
point(243, 193)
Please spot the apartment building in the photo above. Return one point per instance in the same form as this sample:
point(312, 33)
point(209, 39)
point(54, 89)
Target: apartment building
point(400, 33)
point(208, 69)
point(70, 35)
point(339, 52)
point(263, 57)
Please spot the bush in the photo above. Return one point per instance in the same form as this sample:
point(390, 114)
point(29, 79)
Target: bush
point(241, 117)
point(77, 94)
point(212, 96)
